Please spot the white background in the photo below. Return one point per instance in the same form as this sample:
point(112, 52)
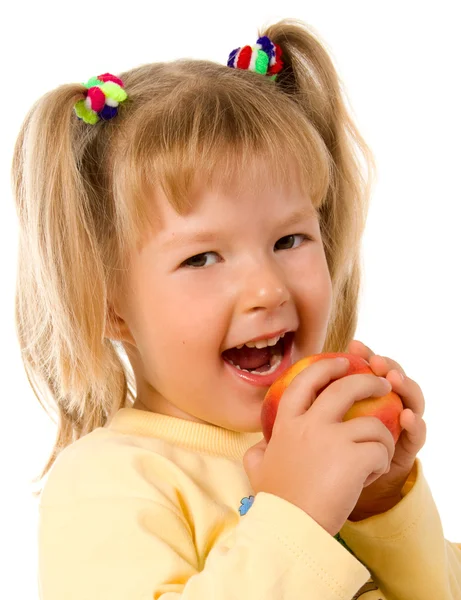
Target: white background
point(400, 62)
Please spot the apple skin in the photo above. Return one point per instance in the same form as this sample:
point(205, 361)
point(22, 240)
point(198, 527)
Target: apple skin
point(387, 408)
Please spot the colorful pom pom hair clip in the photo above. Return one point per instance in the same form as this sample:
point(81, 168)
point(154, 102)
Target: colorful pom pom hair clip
point(105, 92)
point(264, 58)
point(103, 95)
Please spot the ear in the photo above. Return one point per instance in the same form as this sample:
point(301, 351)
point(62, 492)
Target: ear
point(116, 327)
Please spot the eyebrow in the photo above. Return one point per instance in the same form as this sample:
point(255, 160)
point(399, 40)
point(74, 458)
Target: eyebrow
point(211, 236)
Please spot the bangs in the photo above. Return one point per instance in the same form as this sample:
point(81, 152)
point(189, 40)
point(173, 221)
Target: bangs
point(216, 138)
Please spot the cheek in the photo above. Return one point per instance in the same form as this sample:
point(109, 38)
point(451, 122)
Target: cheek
point(315, 294)
point(313, 275)
point(187, 319)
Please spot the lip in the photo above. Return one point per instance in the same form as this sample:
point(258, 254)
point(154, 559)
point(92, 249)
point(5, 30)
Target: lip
point(267, 380)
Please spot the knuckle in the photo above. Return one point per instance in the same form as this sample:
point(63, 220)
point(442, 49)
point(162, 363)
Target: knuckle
point(394, 364)
point(385, 452)
point(374, 422)
point(376, 379)
point(383, 432)
point(376, 427)
point(382, 454)
point(417, 387)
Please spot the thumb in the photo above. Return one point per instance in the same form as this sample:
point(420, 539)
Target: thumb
point(252, 460)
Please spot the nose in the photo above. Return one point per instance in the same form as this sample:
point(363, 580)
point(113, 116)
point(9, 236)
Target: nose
point(264, 287)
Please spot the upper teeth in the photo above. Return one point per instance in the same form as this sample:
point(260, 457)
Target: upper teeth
point(262, 343)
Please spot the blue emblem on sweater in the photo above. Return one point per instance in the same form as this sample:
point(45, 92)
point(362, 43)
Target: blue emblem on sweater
point(246, 504)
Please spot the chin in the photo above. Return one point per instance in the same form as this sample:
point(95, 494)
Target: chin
point(245, 421)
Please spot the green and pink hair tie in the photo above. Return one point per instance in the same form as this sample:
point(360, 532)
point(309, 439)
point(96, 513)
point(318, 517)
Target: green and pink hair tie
point(105, 92)
point(102, 97)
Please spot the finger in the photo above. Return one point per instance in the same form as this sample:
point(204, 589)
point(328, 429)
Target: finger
point(357, 347)
point(381, 365)
point(307, 385)
point(409, 391)
point(334, 402)
point(370, 429)
point(414, 432)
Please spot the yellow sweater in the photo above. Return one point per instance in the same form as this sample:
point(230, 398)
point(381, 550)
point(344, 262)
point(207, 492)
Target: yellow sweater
point(153, 507)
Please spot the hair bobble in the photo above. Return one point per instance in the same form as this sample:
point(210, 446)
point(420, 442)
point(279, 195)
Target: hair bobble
point(102, 98)
point(264, 58)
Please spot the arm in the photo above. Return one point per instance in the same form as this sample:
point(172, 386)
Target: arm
point(143, 548)
point(405, 548)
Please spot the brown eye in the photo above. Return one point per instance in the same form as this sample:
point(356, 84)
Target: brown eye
point(288, 241)
point(197, 261)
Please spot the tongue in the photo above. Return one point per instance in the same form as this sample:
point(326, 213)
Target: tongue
point(249, 358)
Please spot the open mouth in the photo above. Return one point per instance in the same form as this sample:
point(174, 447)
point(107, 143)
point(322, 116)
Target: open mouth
point(261, 366)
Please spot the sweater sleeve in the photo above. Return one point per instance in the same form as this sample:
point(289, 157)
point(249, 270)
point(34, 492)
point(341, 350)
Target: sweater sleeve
point(137, 548)
point(405, 548)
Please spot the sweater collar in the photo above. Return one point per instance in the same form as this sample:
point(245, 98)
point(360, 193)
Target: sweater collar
point(198, 437)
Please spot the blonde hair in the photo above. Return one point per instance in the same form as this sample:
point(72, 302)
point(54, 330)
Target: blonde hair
point(82, 201)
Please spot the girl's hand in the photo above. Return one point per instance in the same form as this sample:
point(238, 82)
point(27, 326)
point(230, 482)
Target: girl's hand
point(385, 492)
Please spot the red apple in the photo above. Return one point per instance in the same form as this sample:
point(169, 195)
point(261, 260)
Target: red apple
point(387, 408)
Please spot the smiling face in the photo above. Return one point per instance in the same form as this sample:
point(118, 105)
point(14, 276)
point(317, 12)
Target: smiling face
point(257, 266)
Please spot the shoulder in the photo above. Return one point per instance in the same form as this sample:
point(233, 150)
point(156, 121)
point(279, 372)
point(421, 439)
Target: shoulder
point(107, 464)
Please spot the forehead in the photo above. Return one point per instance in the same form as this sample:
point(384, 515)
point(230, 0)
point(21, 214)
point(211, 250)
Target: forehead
point(252, 193)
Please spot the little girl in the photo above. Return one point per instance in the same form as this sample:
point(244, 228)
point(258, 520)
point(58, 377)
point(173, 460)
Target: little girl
point(205, 221)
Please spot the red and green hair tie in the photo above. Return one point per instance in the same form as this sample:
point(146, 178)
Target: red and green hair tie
point(102, 98)
point(264, 58)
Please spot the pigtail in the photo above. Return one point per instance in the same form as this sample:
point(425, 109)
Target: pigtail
point(60, 300)
point(310, 78)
